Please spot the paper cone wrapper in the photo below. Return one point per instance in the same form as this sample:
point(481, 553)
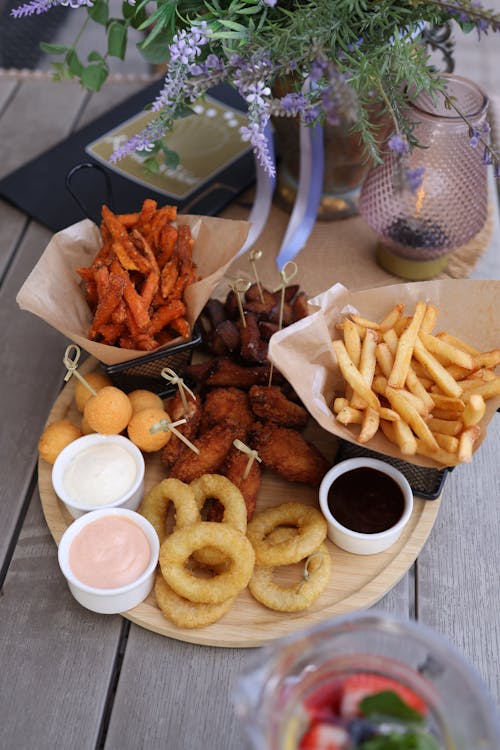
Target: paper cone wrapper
point(54, 293)
point(304, 354)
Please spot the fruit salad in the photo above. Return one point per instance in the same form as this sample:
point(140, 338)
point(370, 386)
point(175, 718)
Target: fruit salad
point(366, 711)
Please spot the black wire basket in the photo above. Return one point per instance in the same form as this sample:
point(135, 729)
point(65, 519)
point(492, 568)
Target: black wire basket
point(425, 481)
point(145, 372)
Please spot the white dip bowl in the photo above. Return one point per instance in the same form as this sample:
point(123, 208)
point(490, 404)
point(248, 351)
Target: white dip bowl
point(99, 471)
point(366, 486)
point(109, 600)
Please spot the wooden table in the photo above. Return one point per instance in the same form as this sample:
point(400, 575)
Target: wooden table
point(73, 679)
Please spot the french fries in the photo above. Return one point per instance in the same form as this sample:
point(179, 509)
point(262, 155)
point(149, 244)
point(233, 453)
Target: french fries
point(136, 283)
point(425, 392)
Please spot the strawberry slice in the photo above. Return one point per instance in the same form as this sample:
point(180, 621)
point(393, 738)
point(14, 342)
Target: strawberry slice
point(361, 685)
point(324, 699)
point(325, 737)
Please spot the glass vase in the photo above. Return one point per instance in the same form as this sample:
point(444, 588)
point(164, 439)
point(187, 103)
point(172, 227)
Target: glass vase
point(345, 167)
point(418, 230)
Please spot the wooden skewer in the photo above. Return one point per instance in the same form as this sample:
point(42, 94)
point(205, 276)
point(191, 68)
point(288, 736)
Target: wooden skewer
point(174, 379)
point(287, 273)
point(254, 256)
point(164, 425)
point(252, 455)
point(70, 359)
point(239, 287)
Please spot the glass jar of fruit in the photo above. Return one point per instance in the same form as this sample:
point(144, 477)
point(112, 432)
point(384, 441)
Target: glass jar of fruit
point(366, 681)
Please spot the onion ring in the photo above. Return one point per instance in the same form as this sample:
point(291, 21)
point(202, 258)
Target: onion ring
point(182, 543)
point(267, 591)
point(184, 613)
point(154, 506)
point(235, 510)
point(311, 527)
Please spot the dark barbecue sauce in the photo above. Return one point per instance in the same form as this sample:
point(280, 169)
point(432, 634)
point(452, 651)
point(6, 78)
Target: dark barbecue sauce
point(365, 500)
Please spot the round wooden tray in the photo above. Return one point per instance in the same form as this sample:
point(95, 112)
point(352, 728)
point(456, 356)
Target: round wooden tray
point(357, 581)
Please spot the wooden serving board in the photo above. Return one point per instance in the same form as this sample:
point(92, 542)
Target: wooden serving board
point(357, 581)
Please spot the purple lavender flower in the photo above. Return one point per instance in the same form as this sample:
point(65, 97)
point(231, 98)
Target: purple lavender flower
point(186, 45)
point(292, 104)
point(185, 48)
point(254, 133)
point(317, 69)
point(487, 158)
point(36, 7)
point(414, 178)
point(143, 141)
point(256, 93)
point(398, 144)
point(474, 136)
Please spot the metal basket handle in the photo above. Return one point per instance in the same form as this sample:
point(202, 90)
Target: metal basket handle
point(79, 201)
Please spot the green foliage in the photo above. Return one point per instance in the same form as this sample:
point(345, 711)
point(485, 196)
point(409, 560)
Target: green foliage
point(371, 44)
point(94, 75)
point(99, 12)
point(117, 38)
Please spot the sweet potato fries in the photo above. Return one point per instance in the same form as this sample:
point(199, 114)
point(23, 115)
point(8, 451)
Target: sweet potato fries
point(135, 286)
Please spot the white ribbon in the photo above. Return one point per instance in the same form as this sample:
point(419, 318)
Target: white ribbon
point(263, 196)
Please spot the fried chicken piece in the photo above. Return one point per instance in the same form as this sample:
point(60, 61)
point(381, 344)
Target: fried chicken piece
point(233, 468)
point(253, 347)
point(227, 406)
point(269, 402)
point(214, 445)
point(285, 451)
point(175, 410)
point(222, 371)
point(199, 371)
point(267, 329)
point(300, 306)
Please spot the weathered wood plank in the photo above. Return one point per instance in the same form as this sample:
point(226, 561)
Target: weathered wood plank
point(12, 222)
point(111, 94)
point(7, 88)
point(57, 657)
point(38, 116)
point(32, 373)
point(458, 579)
point(50, 111)
point(175, 695)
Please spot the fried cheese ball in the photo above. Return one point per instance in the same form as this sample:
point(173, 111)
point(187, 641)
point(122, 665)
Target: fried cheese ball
point(139, 430)
point(85, 427)
point(55, 437)
point(108, 412)
point(97, 380)
point(142, 399)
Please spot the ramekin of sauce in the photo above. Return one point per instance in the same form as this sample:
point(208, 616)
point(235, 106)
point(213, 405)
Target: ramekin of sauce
point(109, 558)
point(366, 503)
point(99, 471)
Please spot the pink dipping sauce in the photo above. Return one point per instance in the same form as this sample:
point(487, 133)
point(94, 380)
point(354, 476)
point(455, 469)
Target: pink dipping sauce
point(109, 553)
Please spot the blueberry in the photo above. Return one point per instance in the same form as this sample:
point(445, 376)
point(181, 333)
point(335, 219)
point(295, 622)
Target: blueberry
point(361, 730)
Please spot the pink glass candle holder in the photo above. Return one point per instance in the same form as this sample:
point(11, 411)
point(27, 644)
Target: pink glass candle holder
point(418, 230)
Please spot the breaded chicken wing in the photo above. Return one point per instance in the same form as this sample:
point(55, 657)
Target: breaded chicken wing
point(222, 371)
point(175, 409)
point(214, 445)
point(285, 451)
point(269, 402)
point(234, 467)
point(227, 406)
